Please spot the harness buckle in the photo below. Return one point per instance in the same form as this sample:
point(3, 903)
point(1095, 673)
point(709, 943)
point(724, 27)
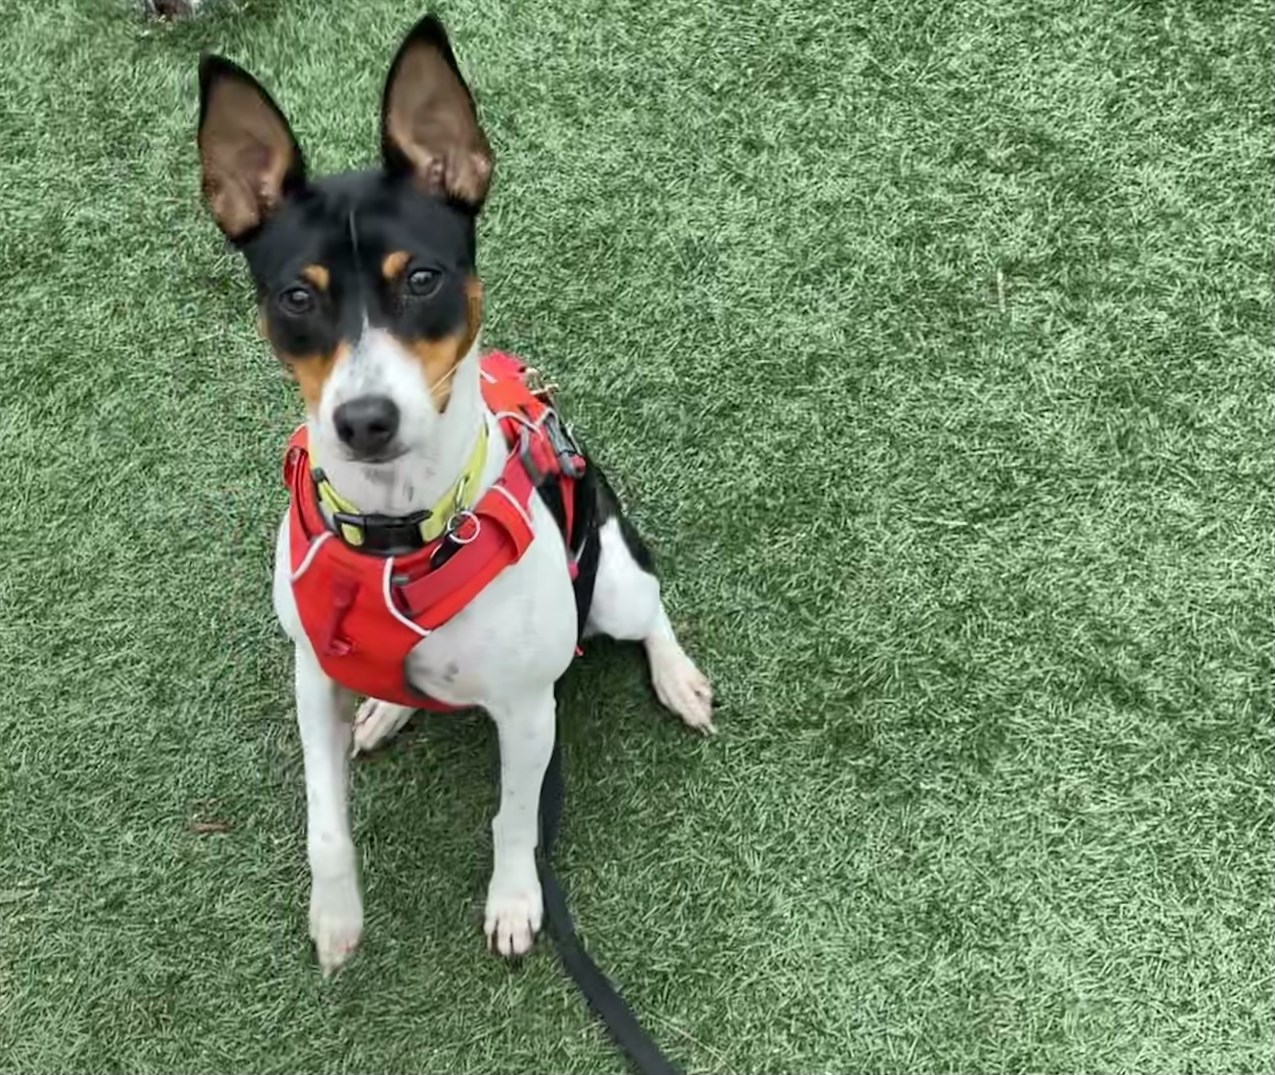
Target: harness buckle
point(568, 458)
point(537, 385)
point(537, 466)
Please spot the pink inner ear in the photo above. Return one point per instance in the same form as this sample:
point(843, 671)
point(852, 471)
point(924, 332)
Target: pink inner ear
point(430, 119)
point(255, 157)
point(247, 150)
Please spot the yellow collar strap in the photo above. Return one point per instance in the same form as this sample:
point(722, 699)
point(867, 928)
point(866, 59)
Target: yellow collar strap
point(353, 525)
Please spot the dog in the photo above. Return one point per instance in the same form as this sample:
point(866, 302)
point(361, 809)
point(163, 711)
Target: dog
point(171, 10)
point(368, 294)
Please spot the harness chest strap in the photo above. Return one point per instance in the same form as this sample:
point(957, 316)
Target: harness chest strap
point(497, 535)
point(364, 613)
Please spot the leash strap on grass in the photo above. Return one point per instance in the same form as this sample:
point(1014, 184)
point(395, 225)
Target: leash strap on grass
point(602, 996)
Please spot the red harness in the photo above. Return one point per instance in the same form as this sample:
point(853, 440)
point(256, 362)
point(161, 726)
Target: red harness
point(362, 612)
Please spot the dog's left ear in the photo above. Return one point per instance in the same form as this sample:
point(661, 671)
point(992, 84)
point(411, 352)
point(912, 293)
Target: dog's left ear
point(429, 125)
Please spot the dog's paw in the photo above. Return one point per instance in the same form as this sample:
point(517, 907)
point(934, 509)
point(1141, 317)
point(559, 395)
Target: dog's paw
point(375, 722)
point(336, 922)
point(681, 686)
point(515, 910)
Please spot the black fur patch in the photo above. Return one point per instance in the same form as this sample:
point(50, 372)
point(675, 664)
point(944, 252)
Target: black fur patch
point(348, 224)
point(609, 508)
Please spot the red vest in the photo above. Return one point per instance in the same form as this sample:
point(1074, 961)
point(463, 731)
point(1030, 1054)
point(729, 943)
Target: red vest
point(363, 612)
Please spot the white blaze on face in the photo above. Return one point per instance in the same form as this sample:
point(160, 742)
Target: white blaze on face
point(379, 365)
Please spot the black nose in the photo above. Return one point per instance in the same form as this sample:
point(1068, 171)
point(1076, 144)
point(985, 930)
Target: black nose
point(367, 424)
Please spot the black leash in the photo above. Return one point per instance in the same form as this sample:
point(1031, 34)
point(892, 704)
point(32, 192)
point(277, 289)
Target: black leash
point(644, 1055)
point(602, 996)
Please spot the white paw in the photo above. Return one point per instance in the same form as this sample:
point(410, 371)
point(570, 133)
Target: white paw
point(681, 686)
point(377, 721)
point(514, 911)
point(336, 922)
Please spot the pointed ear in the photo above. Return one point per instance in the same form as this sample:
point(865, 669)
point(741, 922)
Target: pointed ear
point(249, 157)
point(429, 125)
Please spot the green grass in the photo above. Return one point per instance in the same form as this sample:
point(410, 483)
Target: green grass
point(931, 345)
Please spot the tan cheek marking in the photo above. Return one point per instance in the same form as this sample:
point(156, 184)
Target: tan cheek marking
point(394, 263)
point(317, 275)
point(439, 358)
point(474, 311)
point(311, 372)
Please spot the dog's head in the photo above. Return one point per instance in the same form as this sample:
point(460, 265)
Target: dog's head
point(366, 281)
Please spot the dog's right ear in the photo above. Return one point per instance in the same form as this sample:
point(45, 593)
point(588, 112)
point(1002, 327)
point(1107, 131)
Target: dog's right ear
point(250, 159)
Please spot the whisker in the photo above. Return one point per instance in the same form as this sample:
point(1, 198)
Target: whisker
point(444, 378)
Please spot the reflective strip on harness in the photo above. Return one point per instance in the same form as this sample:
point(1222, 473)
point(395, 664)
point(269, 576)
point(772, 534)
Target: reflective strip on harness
point(364, 613)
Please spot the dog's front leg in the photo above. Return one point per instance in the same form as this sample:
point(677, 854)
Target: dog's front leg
point(336, 907)
point(514, 907)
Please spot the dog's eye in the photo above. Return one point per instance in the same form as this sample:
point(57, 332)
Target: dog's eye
point(423, 282)
point(296, 300)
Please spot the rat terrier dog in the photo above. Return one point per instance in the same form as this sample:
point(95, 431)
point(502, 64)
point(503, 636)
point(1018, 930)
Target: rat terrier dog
point(484, 544)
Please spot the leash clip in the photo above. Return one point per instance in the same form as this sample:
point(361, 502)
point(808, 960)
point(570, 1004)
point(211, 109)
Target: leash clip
point(570, 458)
point(549, 449)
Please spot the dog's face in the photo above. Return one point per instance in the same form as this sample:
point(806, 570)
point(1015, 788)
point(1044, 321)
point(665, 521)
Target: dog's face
point(366, 281)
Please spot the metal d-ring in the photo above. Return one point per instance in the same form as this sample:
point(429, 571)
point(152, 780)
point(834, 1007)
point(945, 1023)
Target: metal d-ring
point(457, 521)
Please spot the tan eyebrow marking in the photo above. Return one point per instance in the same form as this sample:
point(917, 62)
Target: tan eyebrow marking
point(395, 263)
point(317, 275)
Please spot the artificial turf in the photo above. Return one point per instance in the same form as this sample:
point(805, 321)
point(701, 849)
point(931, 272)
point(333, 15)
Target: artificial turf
point(931, 345)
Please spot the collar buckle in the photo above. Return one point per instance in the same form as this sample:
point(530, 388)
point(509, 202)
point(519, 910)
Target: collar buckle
point(381, 533)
